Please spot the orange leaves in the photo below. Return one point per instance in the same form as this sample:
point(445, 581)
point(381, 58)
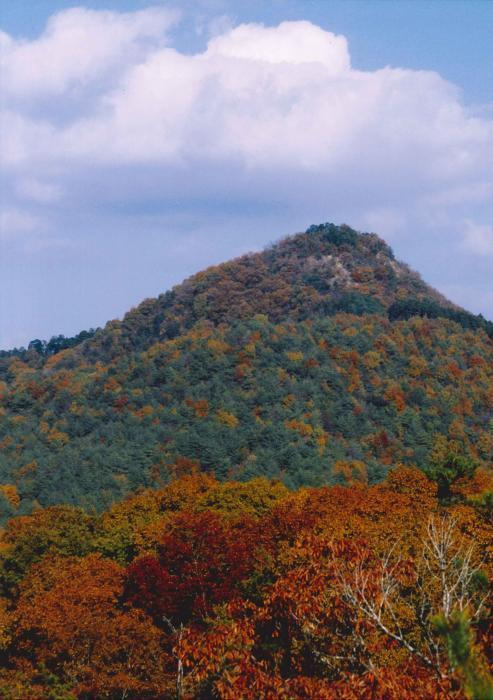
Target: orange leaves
point(68, 619)
point(227, 418)
point(11, 494)
point(244, 590)
point(200, 407)
point(396, 395)
point(353, 472)
point(335, 608)
point(454, 369)
point(242, 370)
point(372, 359)
point(221, 651)
point(112, 385)
point(294, 356)
point(185, 467)
point(218, 346)
point(304, 429)
point(362, 274)
point(5, 625)
point(322, 439)
point(53, 434)
point(5, 442)
point(57, 437)
point(411, 481)
point(236, 500)
point(143, 412)
point(288, 400)
point(481, 483)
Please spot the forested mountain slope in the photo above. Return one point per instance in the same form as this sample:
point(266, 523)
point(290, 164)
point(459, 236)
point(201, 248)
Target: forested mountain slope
point(320, 360)
point(317, 273)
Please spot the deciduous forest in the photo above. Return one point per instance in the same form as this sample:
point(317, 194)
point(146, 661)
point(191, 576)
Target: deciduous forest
point(207, 589)
point(273, 481)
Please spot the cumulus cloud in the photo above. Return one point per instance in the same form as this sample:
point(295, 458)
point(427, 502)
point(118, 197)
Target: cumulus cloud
point(266, 97)
point(291, 42)
point(77, 47)
point(102, 112)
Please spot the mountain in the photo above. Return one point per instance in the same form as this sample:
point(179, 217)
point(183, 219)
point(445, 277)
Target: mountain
point(317, 273)
point(321, 359)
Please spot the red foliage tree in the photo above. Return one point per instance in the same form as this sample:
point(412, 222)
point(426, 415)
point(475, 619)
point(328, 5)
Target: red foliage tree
point(201, 559)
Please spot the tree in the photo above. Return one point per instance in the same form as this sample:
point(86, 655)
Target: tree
point(201, 559)
point(456, 631)
point(449, 470)
point(69, 621)
point(403, 598)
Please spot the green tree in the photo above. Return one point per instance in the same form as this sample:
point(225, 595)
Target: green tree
point(447, 471)
point(456, 631)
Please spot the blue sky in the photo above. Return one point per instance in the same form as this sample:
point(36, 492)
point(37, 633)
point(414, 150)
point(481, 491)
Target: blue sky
point(143, 141)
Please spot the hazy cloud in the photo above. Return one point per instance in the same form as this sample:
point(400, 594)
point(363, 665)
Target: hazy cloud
point(41, 192)
point(478, 238)
point(14, 222)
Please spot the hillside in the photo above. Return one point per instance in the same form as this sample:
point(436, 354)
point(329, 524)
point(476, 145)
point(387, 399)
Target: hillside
point(321, 360)
point(320, 272)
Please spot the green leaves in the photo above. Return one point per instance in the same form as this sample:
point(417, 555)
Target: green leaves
point(448, 471)
point(457, 633)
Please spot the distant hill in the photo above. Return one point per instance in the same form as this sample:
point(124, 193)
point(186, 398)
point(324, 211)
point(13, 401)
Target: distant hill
point(320, 359)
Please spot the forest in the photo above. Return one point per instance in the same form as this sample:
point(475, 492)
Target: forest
point(209, 589)
point(273, 481)
point(320, 352)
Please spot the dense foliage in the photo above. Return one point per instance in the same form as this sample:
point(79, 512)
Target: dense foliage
point(205, 589)
point(323, 271)
point(38, 349)
point(321, 364)
point(407, 308)
point(315, 361)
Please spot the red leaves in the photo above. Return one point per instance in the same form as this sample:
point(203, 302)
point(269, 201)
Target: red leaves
point(201, 559)
point(246, 591)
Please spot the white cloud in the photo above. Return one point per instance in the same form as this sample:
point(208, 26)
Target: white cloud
point(291, 42)
point(102, 105)
point(24, 140)
point(257, 97)
point(78, 46)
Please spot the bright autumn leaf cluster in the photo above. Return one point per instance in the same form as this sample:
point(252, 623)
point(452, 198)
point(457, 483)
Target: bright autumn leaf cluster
point(248, 590)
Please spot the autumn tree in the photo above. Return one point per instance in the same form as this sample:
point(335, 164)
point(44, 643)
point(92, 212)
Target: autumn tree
point(200, 561)
point(69, 620)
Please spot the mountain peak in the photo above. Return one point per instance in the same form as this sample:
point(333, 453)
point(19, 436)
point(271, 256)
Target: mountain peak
point(325, 270)
point(281, 362)
point(344, 235)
